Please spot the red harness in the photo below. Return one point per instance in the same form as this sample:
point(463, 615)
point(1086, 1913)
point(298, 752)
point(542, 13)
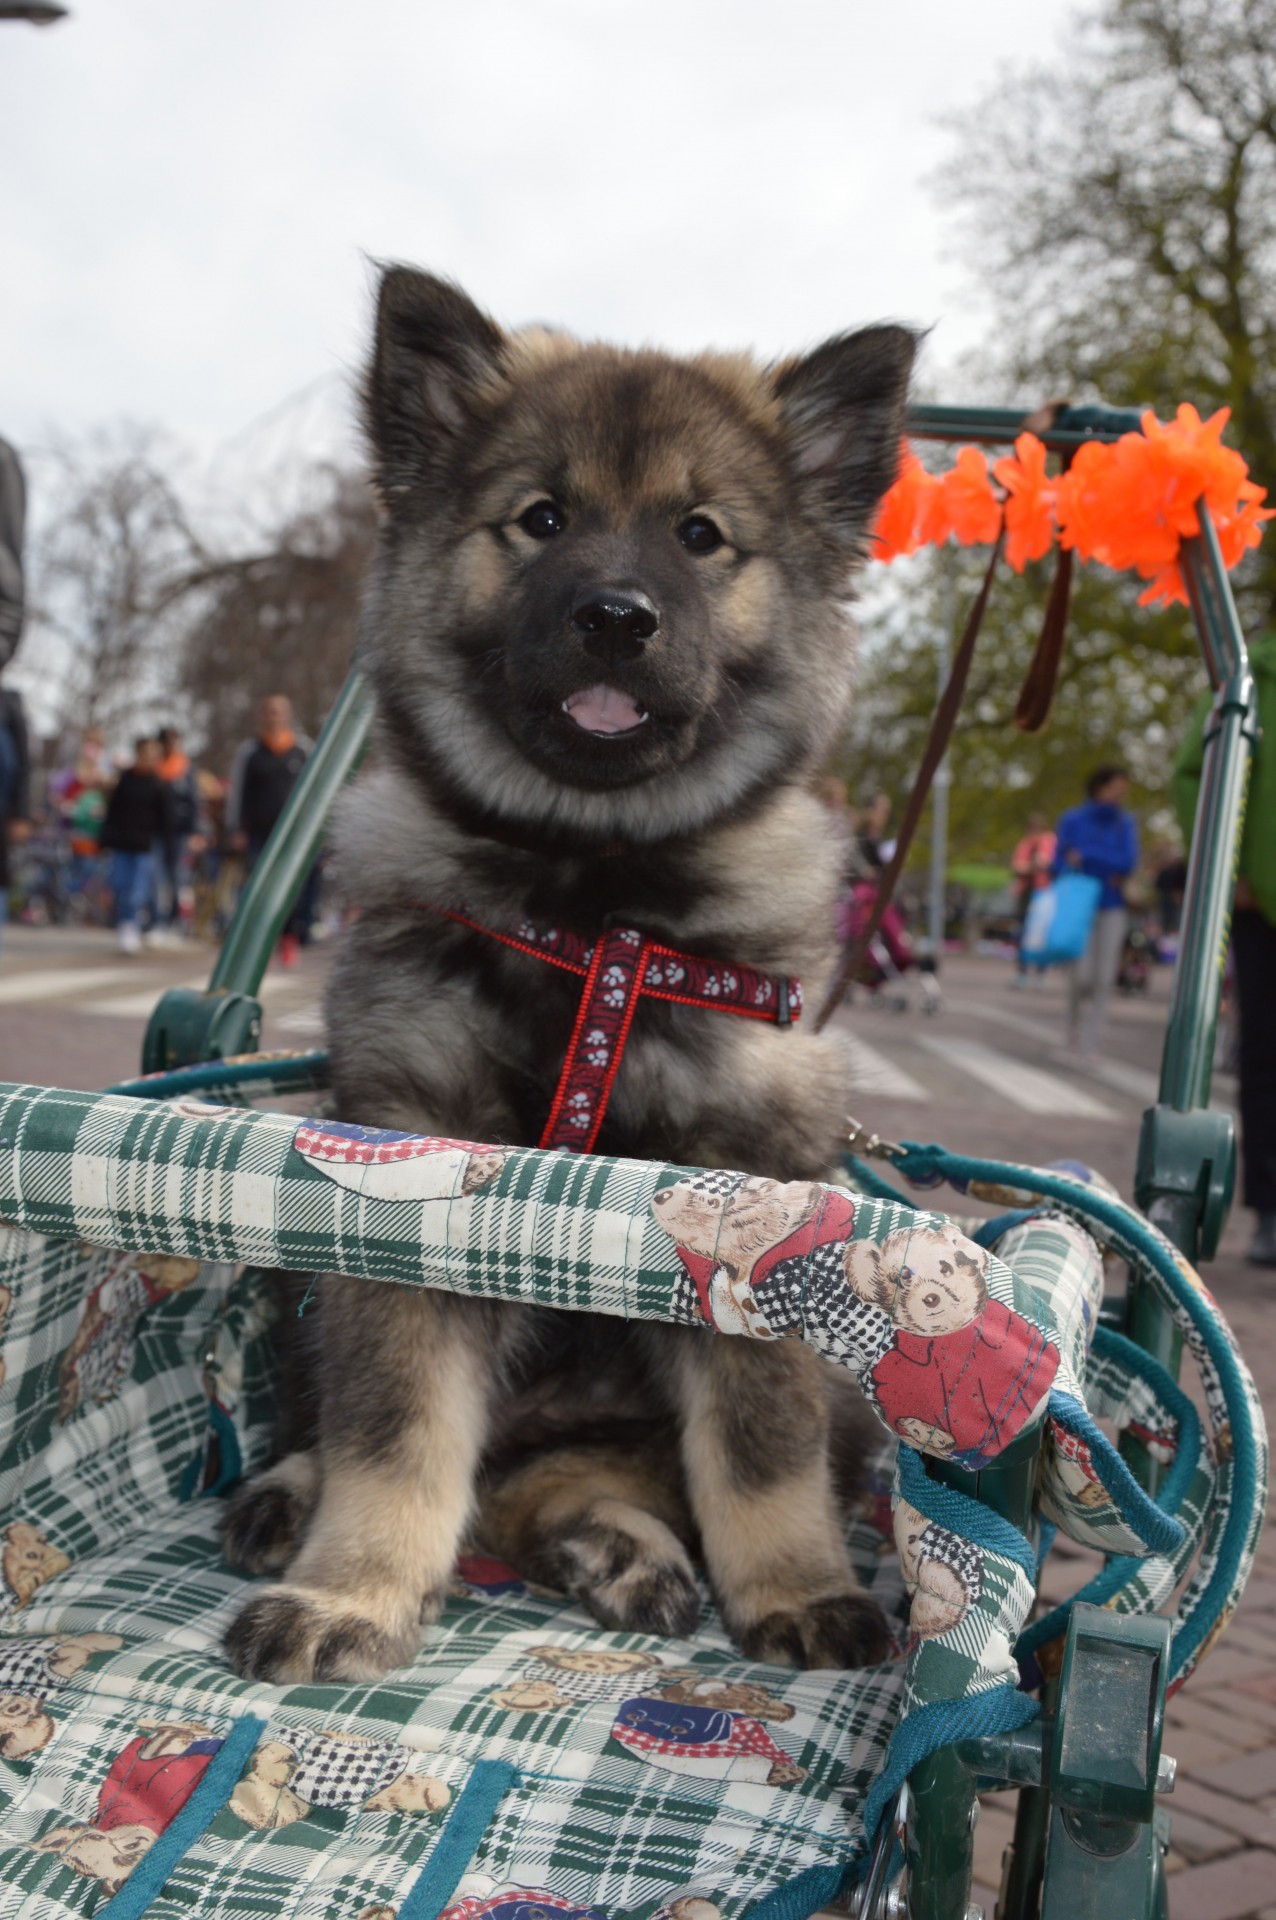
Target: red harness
point(618, 970)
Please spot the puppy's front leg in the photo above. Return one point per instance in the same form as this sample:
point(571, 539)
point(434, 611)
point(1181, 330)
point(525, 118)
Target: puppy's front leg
point(406, 1380)
point(755, 1440)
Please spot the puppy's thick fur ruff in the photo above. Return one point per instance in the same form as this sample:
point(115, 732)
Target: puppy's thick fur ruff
point(608, 633)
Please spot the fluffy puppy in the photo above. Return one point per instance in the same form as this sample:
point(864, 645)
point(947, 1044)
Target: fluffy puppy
point(608, 633)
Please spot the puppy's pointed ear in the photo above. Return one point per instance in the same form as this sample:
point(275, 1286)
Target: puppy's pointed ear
point(433, 353)
point(843, 406)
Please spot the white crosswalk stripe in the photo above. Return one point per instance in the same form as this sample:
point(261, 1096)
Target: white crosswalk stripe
point(135, 1006)
point(1028, 1087)
point(81, 988)
point(307, 1020)
point(1135, 1082)
point(54, 983)
point(890, 1066)
point(874, 1073)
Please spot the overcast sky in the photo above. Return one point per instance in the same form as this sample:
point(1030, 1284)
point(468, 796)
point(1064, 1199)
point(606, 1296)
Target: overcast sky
point(191, 188)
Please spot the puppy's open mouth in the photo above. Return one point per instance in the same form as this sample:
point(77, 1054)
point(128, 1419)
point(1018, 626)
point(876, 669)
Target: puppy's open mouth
point(605, 711)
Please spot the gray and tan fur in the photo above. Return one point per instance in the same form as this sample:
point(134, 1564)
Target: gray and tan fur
point(576, 530)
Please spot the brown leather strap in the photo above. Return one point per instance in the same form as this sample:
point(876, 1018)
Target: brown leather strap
point(1037, 692)
point(941, 731)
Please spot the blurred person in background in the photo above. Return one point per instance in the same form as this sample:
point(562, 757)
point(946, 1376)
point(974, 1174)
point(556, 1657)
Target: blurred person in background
point(1253, 940)
point(15, 759)
point(1169, 883)
point(216, 872)
point(81, 791)
point(178, 776)
point(136, 821)
point(263, 773)
point(1101, 839)
point(870, 832)
point(1031, 864)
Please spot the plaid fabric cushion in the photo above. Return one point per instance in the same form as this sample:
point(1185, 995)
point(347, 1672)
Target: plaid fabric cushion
point(956, 1353)
point(350, 1785)
point(643, 1774)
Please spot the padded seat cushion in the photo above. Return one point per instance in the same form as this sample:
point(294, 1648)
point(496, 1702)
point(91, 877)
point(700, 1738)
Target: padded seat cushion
point(552, 1763)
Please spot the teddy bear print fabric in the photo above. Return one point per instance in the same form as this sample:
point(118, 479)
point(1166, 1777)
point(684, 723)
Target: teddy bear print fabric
point(295, 1771)
point(955, 1355)
point(950, 1364)
point(708, 1742)
point(100, 1357)
point(942, 1572)
point(144, 1786)
point(560, 1677)
point(32, 1669)
point(397, 1166)
point(519, 1903)
point(28, 1560)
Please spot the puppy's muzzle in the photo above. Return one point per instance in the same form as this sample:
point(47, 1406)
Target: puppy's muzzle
point(615, 623)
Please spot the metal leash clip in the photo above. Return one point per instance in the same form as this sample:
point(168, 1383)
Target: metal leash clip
point(871, 1145)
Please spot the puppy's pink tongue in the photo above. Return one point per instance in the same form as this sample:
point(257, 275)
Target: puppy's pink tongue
point(604, 710)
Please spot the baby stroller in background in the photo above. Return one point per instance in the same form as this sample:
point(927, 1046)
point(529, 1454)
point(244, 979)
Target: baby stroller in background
point(1137, 957)
point(41, 876)
point(890, 959)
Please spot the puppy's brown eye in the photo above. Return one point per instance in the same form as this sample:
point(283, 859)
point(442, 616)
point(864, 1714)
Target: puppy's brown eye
point(700, 534)
point(543, 520)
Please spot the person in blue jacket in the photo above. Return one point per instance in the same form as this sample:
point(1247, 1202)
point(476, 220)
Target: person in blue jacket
point(1099, 838)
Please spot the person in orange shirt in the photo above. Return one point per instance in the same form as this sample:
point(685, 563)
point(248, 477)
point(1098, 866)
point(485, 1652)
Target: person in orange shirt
point(178, 776)
point(1031, 865)
point(262, 775)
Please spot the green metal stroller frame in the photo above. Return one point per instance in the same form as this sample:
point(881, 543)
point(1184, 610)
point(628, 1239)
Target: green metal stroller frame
point(1091, 1831)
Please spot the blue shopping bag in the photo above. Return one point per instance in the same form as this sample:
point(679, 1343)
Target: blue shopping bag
point(1059, 920)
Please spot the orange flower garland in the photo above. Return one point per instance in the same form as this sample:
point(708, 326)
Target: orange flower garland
point(1127, 504)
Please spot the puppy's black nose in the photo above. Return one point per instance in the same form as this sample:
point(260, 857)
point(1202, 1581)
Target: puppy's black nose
point(615, 621)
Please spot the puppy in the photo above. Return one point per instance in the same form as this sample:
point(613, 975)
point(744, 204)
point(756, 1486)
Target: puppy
point(607, 628)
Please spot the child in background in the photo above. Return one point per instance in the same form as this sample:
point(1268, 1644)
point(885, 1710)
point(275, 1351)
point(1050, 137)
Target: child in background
point(136, 819)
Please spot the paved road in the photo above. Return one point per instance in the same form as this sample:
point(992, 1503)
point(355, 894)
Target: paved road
point(73, 1009)
point(987, 1074)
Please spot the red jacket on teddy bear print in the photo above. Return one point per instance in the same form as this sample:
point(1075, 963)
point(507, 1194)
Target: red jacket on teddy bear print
point(975, 1388)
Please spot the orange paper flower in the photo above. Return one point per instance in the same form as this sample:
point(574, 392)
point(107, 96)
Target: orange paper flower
point(1242, 528)
point(895, 529)
point(911, 514)
point(974, 511)
point(1128, 505)
point(1029, 505)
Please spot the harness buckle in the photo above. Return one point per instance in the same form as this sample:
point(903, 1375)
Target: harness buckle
point(783, 1012)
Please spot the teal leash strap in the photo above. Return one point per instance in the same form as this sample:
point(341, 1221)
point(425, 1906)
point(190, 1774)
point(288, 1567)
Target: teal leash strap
point(482, 1793)
point(933, 1163)
point(215, 1787)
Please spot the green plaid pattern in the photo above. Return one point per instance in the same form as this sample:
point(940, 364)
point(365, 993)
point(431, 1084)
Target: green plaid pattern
point(114, 1601)
point(561, 1230)
point(1130, 1402)
point(1130, 1236)
point(975, 1654)
point(1221, 1450)
point(167, 1598)
point(1054, 1255)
